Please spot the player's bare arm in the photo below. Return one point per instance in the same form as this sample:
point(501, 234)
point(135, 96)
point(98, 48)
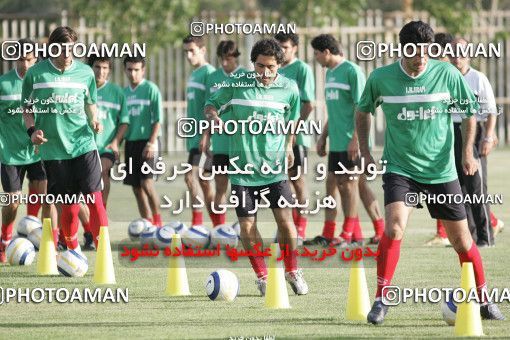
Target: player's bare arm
point(468, 137)
point(489, 140)
point(37, 136)
point(353, 147)
point(150, 149)
point(321, 142)
point(211, 114)
point(363, 122)
point(91, 110)
point(119, 136)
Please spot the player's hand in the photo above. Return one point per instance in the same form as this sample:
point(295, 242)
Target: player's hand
point(321, 146)
point(96, 126)
point(353, 150)
point(205, 143)
point(487, 145)
point(367, 156)
point(38, 137)
point(114, 146)
point(290, 158)
point(469, 165)
point(149, 151)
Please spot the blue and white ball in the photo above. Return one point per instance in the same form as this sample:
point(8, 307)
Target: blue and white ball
point(20, 252)
point(237, 228)
point(222, 285)
point(223, 235)
point(72, 263)
point(27, 224)
point(136, 227)
point(179, 227)
point(449, 310)
point(35, 236)
point(197, 236)
point(148, 235)
point(163, 237)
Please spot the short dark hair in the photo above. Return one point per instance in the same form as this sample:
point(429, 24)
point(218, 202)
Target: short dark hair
point(443, 38)
point(22, 43)
point(416, 32)
point(327, 42)
point(227, 48)
point(92, 59)
point(199, 41)
point(267, 47)
point(137, 59)
point(61, 35)
point(284, 37)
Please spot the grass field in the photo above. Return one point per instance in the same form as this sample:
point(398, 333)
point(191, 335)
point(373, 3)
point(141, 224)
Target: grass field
point(321, 313)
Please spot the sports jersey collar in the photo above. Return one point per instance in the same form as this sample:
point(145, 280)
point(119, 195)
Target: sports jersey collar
point(268, 86)
point(134, 89)
point(340, 63)
point(198, 68)
point(66, 69)
point(233, 72)
point(290, 63)
point(102, 86)
point(16, 70)
point(415, 77)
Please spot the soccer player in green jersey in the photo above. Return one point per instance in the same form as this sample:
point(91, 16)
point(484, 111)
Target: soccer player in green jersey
point(196, 93)
point(17, 155)
point(142, 143)
point(416, 95)
point(301, 73)
point(265, 96)
point(344, 84)
point(228, 55)
point(63, 93)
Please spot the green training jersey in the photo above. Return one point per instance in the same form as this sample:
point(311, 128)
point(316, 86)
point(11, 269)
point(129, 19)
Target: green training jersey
point(144, 107)
point(15, 145)
point(418, 141)
point(248, 101)
point(111, 111)
point(302, 74)
point(344, 85)
point(196, 94)
point(59, 100)
point(220, 142)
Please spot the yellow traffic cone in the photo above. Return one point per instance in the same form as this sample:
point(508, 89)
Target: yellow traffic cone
point(47, 257)
point(468, 321)
point(276, 289)
point(177, 279)
point(104, 272)
point(358, 301)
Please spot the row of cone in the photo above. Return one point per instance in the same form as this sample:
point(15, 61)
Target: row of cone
point(104, 272)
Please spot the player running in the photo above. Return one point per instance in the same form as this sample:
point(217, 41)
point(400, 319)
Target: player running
point(143, 101)
point(301, 73)
point(267, 96)
point(414, 94)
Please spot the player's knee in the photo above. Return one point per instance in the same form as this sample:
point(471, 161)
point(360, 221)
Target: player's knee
point(395, 230)
point(189, 179)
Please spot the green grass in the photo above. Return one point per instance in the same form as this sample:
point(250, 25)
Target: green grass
point(321, 313)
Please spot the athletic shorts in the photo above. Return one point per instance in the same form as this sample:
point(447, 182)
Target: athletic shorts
point(202, 160)
point(13, 175)
point(398, 188)
point(220, 160)
point(81, 174)
point(252, 195)
point(300, 153)
point(108, 155)
point(340, 156)
point(134, 151)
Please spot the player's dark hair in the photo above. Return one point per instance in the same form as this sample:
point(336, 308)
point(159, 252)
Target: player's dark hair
point(416, 32)
point(443, 38)
point(267, 47)
point(227, 48)
point(327, 42)
point(23, 44)
point(199, 41)
point(92, 59)
point(61, 35)
point(284, 37)
point(137, 59)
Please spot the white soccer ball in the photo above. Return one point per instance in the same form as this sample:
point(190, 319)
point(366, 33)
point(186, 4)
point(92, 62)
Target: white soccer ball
point(222, 285)
point(237, 228)
point(148, 235)
point(20, 252)
point(27, 224)
point(163, 237)
point(35, 236)
point(449, 310)
point(223, 235)
point(179, 227)
point(72, 263)
point(136, 227)
point(197, 236)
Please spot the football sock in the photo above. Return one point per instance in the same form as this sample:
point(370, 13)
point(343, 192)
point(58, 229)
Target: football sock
point(70, 221)
point(197, 218)
point(441, 231)
point(473, 255)
point(7, 231)
point(389, 254)
point(357, 234)
point(156, 220)
point(98, 217)
point(33, 209)
point(379, 227)
point(259, 266)
point(348, 227)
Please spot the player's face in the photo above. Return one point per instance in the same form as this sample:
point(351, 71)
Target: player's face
point(229, 63)
point(460, 63)
point(101, 71)
point(65, 58)
point(194, 54)
point(417, 63)
point(135, 72)
point(266, 68)
point(289, 51)
point(23, 64)
point(321, 57)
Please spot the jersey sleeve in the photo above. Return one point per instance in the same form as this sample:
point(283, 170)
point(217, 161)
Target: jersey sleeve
point(124, 114)
point(91, 96)
point(465, 100)
point(357, 83)
point(369, 99)
point(156, 105)
point(27, 88)
point(221, 98)
point(307, 85)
